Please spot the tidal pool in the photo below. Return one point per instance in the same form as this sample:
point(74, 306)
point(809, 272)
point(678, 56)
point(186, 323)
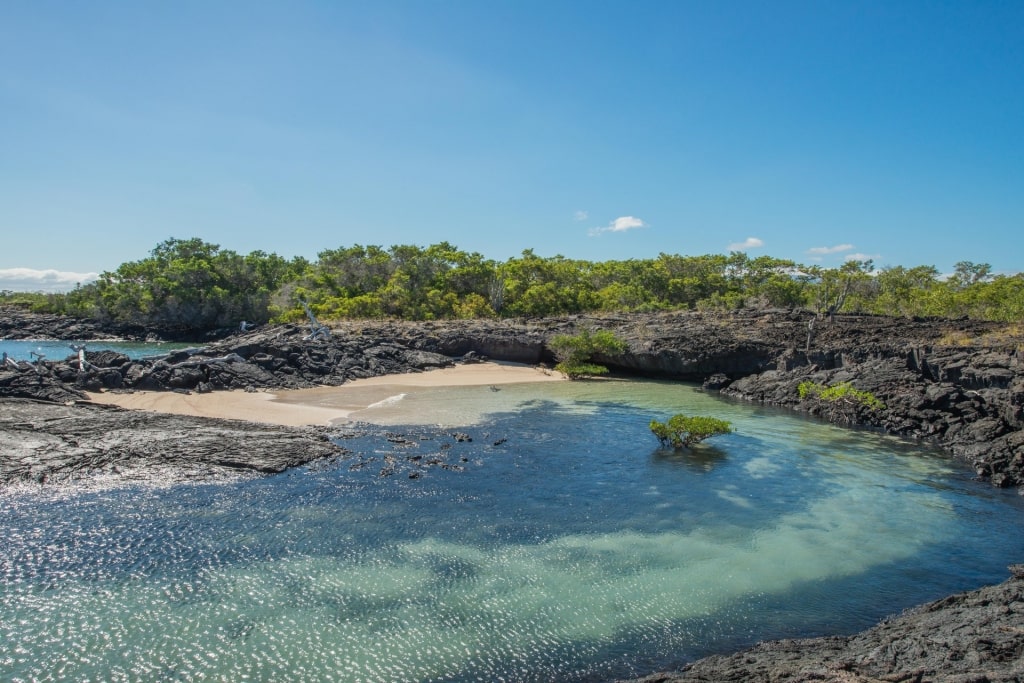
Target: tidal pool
point(569, 548)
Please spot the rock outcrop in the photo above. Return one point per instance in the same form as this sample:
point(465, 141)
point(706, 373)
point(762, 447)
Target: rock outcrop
point(63, 444)
point(86, 444)
point(274, 358)
point(971, 637)
point(968, 401)
point(17, 323)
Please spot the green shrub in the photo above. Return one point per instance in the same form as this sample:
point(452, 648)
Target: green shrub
point(839, 401)
point(844, 392)
point(681, 431)
point(574, 352)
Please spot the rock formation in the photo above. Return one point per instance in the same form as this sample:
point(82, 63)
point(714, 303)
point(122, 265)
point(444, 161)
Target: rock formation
point(974, 637)
point(958, 384)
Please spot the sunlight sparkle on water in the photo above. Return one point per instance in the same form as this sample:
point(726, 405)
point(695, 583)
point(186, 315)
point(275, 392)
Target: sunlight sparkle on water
point(554, 557)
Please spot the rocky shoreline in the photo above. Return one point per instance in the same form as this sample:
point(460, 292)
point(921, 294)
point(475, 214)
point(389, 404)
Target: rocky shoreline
point(956, 384)
point(973, 637)
point(57, 444)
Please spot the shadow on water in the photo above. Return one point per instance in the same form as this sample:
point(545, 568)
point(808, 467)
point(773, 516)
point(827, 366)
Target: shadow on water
point(701, 458)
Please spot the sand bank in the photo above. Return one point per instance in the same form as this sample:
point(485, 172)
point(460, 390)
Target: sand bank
point(321, 405)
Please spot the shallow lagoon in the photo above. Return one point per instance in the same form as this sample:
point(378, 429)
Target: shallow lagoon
point(573, 550)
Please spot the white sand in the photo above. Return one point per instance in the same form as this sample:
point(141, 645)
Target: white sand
point(322, 405)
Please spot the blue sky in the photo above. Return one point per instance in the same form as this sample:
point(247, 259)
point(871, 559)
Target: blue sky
point(816, 131)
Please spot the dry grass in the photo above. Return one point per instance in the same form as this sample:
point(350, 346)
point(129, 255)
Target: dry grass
point(957, 338)
point(1009, 335)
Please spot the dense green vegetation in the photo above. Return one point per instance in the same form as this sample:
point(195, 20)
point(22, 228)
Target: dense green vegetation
point(197, 285)
point(189, 284)
point(681, 431)
point(575, 351)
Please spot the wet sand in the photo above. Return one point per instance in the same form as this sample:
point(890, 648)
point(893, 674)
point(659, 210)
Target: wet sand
point(321, 405)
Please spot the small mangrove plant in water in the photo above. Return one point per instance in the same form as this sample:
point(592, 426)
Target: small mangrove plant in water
point(839, 402)
point(574, 351)
point(682, 431)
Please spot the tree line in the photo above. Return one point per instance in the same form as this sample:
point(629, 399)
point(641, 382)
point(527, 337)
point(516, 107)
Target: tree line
point(194, 285)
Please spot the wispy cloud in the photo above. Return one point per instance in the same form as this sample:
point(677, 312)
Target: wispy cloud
point(837, 249)
point(861, 257)
point(32, 280)
point(580, 216)
point(749, 243)
point(620, 224)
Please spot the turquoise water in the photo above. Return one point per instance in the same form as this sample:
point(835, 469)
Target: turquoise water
point(21, 349)
point(575, 550)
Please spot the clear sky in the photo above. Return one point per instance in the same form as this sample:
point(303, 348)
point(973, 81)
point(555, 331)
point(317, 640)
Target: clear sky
point(816, 131)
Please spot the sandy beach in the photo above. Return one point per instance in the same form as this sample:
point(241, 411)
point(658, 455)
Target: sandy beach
point(322, 405)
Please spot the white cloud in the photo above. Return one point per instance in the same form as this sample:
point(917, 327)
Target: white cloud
point(580, 216)
point(620, 224)
point(32, 280)
point(861, 257)
point(830, 250)
point(749, 243)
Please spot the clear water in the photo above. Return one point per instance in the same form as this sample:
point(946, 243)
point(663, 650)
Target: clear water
point(21, 349)
point(573, 551)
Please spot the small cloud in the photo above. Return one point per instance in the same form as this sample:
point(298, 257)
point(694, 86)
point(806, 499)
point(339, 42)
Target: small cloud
point(620, 224)
point(580, 216)
point(830, 250)
point(32, 280)
point(861, 257)
point(749, 243)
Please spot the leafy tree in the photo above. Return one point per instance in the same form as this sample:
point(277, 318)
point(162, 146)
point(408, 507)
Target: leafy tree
point(834, 286)
point(1001, 298)
point(681, 431)
point(404, 281)
point(631, 285)
point(905, 291)
point(188, 284)
point(773, 282)
point(967, 273)
point(691, 279)
point(536, 286)
point(353, 271)
point(574, 352)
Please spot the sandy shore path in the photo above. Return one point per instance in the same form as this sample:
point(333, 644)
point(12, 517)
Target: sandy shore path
point(321, 405)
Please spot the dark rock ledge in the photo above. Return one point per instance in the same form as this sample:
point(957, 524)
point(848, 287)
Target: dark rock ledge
point(974, 637)
point(58, 444)
point(84, 444)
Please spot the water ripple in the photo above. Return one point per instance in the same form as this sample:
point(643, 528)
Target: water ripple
point(561, 556)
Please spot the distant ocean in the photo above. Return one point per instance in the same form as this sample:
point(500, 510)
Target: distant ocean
point(59, 350)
